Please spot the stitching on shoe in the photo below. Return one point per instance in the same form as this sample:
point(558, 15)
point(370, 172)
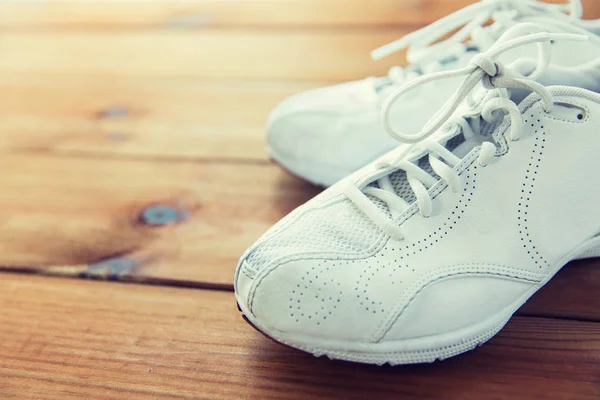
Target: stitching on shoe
point(444, 229)
point(250, 274)
point(395, 315)
point(583, 121)
point(527, 191)
point(434, 276)
point(378, 245)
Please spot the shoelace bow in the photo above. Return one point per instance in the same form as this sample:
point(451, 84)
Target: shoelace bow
point(497, 79)
point(422, 53)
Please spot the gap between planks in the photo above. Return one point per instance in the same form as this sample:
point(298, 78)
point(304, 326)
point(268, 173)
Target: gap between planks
point(88, 223)
point(80, 212)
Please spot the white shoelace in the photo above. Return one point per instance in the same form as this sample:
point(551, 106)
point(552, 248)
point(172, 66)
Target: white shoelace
point(426, 57)
point(497, 79)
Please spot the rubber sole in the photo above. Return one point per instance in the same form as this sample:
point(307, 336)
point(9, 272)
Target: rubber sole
point(413, 351)
point(389, 357)
point(434, 357)
point(419, 350)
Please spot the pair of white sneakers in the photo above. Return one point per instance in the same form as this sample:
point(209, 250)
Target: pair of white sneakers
point(427, 251)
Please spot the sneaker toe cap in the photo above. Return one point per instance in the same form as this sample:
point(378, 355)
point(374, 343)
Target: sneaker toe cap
point(294, 303)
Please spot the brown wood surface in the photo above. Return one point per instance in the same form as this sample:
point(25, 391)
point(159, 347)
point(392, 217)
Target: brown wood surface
point(110, 108)
point(195, 119)
point(236, 52)
point(51, 203)
point(200, 14)
point(63, 339)
point(76, 210)
point(217, 54)
point(203, 14)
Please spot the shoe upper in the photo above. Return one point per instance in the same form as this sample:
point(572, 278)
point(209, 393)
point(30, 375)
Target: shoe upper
point(325, 134)
point(354, 265)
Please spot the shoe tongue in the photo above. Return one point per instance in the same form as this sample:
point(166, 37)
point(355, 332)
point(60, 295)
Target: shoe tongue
point(457, 141)
point(461, 145)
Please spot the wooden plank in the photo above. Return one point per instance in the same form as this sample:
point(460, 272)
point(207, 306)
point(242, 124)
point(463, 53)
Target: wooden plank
point(63, 339)
point(187, 14)
point(198, 14)
point(239, 53)
point(573, 293)
point(138, 116)
point(82, 215)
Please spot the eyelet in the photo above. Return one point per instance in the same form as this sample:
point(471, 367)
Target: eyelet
point(571, 112)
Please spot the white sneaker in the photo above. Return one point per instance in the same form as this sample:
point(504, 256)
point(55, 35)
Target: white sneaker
point(325, 134)
point(427, 252)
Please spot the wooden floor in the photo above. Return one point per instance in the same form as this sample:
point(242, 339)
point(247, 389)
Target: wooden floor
point(133, 175)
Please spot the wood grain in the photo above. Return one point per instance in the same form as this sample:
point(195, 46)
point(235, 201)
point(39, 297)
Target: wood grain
point(232, 53)
point(237, 52)
point(198, 14)
point(137, 116)
point(82, 211)
point(573, 293)
point(201, 14)
point(110, 110)
point(82, 217)
point(64, 339)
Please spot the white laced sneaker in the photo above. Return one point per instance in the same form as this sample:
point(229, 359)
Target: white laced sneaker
point(427, 252)
point(325, 134)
